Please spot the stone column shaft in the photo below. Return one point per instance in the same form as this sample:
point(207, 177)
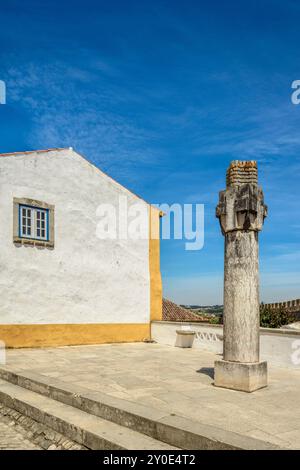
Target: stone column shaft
point(241, 318)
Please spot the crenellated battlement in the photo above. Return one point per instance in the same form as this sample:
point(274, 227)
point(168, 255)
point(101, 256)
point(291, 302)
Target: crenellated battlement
point(292, 305)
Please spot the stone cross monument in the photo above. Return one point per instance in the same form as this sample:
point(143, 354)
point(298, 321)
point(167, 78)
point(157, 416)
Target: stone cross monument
point(241, 212)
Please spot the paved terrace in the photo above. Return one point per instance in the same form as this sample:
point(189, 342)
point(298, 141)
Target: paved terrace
point(176, 381)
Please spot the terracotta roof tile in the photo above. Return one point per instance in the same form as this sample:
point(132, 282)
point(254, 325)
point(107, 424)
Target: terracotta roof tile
point(173, 312)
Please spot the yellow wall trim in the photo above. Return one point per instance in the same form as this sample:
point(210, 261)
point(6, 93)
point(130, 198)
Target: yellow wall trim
point(39, 336)
point(154, 266)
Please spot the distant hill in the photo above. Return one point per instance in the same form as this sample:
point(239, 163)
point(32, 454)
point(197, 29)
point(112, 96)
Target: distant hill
point(214, 310)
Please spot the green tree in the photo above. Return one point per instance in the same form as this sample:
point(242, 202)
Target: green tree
point(275, 318)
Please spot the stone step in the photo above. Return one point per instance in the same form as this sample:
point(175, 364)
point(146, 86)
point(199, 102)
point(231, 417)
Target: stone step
point(174, 430)
point(85, 429)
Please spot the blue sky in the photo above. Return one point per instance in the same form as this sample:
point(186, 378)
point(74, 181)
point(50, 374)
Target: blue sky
point(162, 95)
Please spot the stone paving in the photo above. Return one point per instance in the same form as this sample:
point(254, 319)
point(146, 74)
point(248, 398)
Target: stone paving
point(175, 380)
point(12, 438)
point(19, 430)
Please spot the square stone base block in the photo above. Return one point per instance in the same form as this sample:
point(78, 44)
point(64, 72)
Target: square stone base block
point(241, 376)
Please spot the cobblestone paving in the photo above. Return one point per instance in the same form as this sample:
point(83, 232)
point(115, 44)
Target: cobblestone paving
point(22, 431)
point(11, 437)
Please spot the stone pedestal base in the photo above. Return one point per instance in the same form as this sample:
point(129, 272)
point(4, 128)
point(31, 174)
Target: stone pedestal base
point(241, 376)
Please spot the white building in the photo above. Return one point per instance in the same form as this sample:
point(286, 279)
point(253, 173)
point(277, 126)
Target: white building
point(61, 284)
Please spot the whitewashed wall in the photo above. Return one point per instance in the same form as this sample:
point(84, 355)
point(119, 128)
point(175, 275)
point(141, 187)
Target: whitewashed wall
point(83, 279)
point(278, 347)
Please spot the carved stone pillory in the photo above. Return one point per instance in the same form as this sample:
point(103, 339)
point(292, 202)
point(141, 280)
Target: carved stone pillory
point(241, 212)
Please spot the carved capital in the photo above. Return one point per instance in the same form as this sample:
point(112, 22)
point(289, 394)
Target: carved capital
point(241, 206)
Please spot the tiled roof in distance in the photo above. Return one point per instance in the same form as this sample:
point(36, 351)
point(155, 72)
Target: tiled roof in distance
point(173, 312)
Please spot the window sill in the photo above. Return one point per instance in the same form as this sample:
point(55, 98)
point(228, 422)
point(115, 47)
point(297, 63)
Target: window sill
point(32, 242)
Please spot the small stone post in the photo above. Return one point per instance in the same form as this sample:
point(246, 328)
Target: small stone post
point(241, 212)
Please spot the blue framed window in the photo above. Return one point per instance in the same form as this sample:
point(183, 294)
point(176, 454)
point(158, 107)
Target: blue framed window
point(33, 222)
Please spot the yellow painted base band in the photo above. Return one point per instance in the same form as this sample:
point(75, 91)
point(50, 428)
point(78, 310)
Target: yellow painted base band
point(40, 336)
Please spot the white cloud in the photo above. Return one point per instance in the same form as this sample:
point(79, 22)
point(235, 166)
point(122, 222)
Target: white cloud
point(66, 113)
